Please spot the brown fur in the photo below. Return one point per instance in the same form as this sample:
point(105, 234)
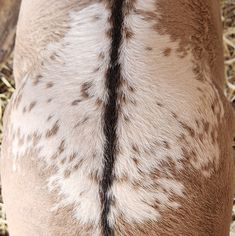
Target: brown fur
point(205, 208)
point(60, 223)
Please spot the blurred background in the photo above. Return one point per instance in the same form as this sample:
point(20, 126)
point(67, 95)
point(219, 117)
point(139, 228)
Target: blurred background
point(8, 17)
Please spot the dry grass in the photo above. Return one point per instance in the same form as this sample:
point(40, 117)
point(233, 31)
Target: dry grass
point(6, 87)
point(228, 18)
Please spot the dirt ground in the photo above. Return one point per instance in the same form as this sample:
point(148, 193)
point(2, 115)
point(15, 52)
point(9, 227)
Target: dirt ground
point(228, 18)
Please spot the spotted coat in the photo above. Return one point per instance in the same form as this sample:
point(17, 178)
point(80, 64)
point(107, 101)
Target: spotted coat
point(118, 125)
